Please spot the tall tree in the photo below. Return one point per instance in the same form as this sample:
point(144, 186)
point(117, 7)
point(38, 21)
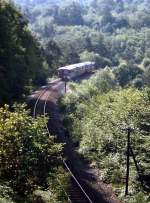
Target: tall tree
point(20, 56)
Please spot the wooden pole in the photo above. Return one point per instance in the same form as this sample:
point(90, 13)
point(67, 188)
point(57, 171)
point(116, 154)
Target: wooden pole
point(128, 162)
point(65, 85)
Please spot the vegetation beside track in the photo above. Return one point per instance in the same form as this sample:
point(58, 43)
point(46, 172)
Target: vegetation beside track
point(110, 32)
point(96, 114)
point(30, 167)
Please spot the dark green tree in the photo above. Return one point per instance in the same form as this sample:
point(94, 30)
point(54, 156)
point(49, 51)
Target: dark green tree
point(53, 56)
point(20, 57)
point(126, 72)
point(27, 153)
point(70, 14)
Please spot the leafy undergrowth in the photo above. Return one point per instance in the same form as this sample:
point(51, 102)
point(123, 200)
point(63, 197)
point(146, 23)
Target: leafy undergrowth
point(97, 122)
point(30, 169)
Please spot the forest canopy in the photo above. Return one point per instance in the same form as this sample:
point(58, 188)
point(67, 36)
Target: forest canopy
point(97, 115)
point(110, 32)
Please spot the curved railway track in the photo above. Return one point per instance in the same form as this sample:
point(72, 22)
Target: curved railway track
point(76, 193)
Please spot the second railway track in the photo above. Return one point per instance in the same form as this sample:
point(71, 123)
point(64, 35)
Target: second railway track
point(76, 193)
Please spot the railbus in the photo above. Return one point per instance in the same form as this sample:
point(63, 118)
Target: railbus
point(71, 71)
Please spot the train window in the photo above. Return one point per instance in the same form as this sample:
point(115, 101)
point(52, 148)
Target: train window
point(66, 72)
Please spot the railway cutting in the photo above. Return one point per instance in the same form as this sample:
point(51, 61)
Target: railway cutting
point(85, 187)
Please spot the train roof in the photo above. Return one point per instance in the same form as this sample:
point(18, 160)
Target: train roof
point(73, 66)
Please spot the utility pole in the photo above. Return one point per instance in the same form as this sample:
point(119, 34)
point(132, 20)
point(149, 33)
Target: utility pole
point(65, 86)
point(128, 161)
point(65, 80)
point(130, 152)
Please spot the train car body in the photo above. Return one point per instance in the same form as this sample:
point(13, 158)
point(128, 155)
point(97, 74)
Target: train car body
point(74, 70)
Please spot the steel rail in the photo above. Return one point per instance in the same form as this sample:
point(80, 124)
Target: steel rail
point(76, 181)
point(44, 113)
point(45, 89)
point(34, 116)
point(36, 103)
point(64, 162)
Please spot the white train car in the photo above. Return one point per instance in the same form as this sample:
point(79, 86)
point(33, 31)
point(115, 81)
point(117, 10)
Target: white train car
point(74, 70)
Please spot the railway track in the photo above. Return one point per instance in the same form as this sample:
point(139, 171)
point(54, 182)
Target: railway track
point(76, 193)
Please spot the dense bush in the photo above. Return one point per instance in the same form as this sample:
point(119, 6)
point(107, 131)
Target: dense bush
point(30, 158)
point(96, 120)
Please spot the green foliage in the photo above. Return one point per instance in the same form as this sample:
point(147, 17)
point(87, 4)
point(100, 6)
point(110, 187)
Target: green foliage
point(108, 32)
point(97, 124)
point(126, 72)
point(138, 198)
point(21, 60)
point(147, 77)
point(58, 183)
point(53, 56)
point(70, 14)
point(27, 153)
point(146, 62)
point(104, 80)
point(6, 193)
point(100, 62)
point(113, 33)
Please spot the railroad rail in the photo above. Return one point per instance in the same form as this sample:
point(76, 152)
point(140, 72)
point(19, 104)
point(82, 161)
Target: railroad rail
point(77, 194)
